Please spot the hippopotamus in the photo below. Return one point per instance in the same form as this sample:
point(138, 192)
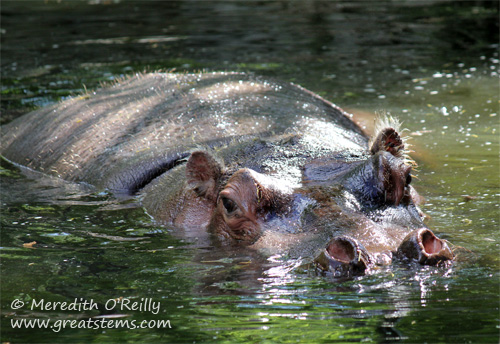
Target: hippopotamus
point(242, 160)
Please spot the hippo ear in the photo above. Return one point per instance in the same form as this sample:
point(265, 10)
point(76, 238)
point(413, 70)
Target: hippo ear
point(203, 173)
point(388, 140)
point(395, 178)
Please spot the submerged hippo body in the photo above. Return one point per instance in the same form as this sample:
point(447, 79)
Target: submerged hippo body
point(247, 160)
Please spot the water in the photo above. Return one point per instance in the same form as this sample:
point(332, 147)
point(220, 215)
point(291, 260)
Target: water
point(434, 65)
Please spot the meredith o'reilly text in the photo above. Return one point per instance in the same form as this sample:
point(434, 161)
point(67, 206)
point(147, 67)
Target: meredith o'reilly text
point(142, 305)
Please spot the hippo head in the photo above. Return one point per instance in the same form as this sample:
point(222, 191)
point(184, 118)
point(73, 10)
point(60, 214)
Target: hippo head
point(367, 200)
point(243, 200)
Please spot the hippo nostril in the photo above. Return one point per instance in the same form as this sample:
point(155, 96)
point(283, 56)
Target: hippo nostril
point(341, 250)
point(431, 243)
point(344, 256)
point(423, 246)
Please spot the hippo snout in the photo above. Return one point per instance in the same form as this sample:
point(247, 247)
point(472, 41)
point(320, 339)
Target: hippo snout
point(423, 246)
point(345, 256)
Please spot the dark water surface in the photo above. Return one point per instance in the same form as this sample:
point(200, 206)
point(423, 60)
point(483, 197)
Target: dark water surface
point(432, 64)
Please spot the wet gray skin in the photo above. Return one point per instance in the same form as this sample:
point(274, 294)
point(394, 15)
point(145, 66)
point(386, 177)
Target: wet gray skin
point(238, 160)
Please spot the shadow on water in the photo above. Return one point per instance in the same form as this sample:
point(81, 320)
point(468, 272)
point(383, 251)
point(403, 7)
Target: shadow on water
point(433, 64)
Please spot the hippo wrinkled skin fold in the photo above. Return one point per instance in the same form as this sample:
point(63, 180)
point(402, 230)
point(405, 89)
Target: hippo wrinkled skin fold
point(242, 160)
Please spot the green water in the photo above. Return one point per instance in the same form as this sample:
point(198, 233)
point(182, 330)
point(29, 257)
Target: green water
point(433, 64)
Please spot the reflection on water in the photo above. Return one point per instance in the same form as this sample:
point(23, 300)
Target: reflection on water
point(435, 66)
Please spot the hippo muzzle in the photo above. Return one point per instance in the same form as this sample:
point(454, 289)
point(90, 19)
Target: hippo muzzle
point(345, 256)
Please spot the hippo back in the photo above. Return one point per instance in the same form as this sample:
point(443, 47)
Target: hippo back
point(151, 120)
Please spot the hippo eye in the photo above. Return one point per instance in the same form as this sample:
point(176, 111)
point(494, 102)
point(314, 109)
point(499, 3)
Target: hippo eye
point(229, 205)
point(408, 179)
